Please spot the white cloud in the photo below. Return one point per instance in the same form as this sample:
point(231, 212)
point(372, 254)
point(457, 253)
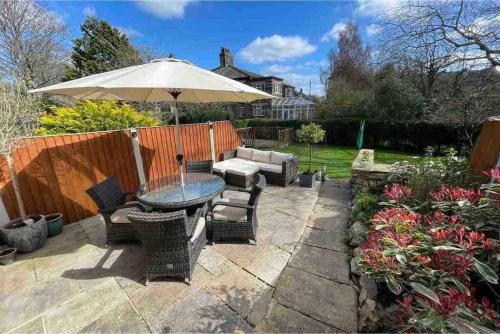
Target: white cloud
point(277, 69)
point(298, 75)
point(89, 11)
point(171, 9)
point(333, 34)
point(276, 48)
point(373, 29)
point(376, 7)
point(130, 32)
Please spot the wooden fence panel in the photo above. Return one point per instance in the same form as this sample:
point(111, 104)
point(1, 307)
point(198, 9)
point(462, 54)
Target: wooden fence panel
point(226, 138)
point(55, 171)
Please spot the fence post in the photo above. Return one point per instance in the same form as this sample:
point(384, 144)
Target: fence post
point(138, 157)
point(212, 142)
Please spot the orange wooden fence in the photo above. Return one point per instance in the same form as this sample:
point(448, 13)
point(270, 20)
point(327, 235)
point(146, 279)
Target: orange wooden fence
point(54, 171)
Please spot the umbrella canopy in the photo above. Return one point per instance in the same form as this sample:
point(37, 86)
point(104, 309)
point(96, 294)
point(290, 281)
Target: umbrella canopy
point(167, 79)
point(154, 82)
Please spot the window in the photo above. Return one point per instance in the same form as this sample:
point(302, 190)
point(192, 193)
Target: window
point(260, 86)
point(258, 110)
point(277, 89)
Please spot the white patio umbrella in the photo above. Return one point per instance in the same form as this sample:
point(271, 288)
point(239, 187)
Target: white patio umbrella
point(167, 79)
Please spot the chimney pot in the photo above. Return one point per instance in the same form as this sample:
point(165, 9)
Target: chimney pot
point(226, 57)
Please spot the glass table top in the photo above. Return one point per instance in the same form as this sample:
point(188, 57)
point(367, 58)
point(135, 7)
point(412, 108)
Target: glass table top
point(167, 191)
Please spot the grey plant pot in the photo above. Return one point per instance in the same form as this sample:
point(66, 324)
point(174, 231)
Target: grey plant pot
point(307, 180)
point(7, 256)
point(26, 238)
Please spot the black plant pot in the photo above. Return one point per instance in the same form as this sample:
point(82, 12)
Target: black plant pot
point(307, 180)
point(26, 238)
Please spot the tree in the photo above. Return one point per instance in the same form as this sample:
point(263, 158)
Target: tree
point(349, 77)
point(101, 48)
point(89, 116)
point(310, 134)
point(31, 44)
point(18, 115)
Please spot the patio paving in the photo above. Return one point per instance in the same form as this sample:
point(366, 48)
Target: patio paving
point(295, 279)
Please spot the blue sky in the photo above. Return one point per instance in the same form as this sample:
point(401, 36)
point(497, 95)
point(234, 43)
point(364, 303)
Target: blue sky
point(286, 39)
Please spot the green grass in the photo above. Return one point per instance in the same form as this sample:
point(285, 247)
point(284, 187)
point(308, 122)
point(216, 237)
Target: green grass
point(338, 159)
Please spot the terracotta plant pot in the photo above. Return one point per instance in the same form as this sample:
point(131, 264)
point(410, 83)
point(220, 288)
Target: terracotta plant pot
point(55, 223)
point(7, 256)
point(25, 237)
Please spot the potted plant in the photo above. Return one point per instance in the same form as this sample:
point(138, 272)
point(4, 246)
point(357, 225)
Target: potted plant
point(309, 134)
point(7, 255)
point(55, 223)
point(27, 235)
point(19, 113)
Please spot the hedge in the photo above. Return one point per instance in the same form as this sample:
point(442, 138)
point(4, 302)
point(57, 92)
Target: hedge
point(398, 135)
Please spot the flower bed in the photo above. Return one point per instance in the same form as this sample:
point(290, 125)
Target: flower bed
point(434, 258)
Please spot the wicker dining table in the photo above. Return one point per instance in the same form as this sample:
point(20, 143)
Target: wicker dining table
point(167, 194)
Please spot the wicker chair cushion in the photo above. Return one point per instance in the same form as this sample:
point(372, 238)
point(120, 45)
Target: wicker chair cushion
point(120, 216)
point(230, 214)
point(199, 228)
point(269, 167)
point(261, 156)
point(244, 153)
point(278, 158)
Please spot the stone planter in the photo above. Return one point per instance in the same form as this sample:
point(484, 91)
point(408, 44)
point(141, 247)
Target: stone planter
point(307, 180)
point(55, 223)
point(26, 237)
point(7, 256)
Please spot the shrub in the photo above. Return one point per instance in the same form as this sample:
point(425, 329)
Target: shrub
point(435, 259)
point(88, 116)
point(201, 113)
point(408, 136)
point(365, 205)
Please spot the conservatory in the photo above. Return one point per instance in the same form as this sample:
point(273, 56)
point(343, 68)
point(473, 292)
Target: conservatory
point(292, 108)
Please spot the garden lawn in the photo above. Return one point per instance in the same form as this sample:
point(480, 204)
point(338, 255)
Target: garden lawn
point(338, 159)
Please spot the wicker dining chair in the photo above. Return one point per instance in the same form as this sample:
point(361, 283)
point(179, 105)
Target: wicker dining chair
point(199, 166)
point(236, 218)
point(114, 207)
point(172, 241)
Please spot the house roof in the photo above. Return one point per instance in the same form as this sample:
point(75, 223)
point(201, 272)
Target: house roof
point(234, 72)
point(295, 101)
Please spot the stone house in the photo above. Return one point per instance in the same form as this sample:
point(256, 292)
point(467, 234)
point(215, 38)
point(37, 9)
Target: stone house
point(288, 104)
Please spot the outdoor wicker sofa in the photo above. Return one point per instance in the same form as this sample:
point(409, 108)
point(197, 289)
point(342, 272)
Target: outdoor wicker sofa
point(232, 218)
point(240, 167)
point(199, 166)
point(172, 241)
point(114, 207)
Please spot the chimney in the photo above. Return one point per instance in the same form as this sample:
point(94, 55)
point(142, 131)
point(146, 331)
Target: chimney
point(226, 57)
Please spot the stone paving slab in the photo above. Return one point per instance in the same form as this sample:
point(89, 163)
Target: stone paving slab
point(269, 266)
point(201, 312)
point(332, 240)
point(239, 289)
point(34, 326)
point(281, 319)
point(122, 319)
point(334, 196)
point(334, 221)
point(322, 262)
point(20, 307)
point(319, 298)
point(85, 308)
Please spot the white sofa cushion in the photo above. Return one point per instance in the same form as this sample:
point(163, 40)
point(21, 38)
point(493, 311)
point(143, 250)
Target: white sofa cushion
point(244, 153)
point(267, 167)
point(199, 228)
point(120, 216)
point(243, 170)
point(230, 214)
point(221, 166)
point(261, 156)
point(278, 157)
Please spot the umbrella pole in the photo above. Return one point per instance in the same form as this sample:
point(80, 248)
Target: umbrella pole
point(178, 139)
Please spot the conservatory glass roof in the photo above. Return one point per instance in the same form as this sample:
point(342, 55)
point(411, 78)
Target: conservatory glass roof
point(286, 101)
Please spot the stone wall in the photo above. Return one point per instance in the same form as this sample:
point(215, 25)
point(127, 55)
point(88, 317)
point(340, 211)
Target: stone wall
point(366, 174)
